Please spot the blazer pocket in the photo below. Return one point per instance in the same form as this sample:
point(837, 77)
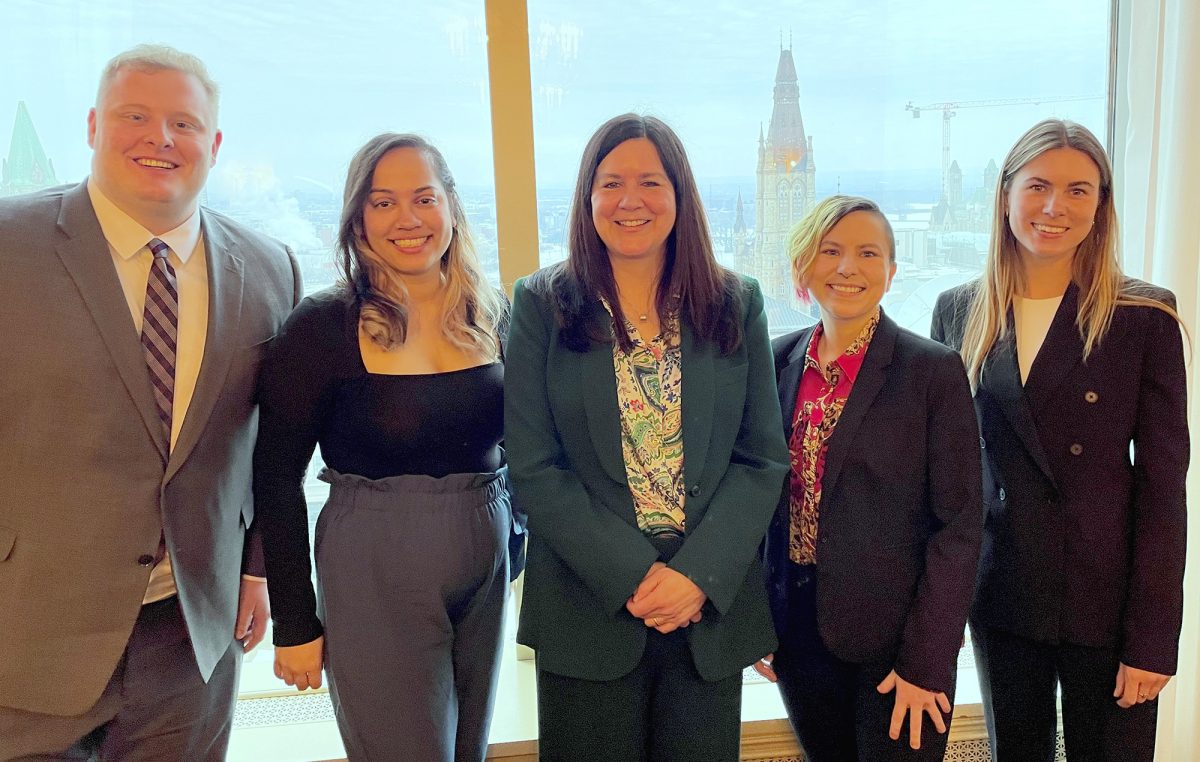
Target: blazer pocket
point(8, 538)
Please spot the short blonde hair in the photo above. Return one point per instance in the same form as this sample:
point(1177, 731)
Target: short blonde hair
point(805, 237)
point(152, 58)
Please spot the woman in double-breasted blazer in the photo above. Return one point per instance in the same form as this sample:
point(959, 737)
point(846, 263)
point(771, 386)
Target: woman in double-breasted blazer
point(872, 553)
point(1072, 363)
point(644, 442)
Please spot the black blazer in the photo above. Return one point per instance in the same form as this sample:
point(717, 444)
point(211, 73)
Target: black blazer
point(1083, 544)
point(901, 512)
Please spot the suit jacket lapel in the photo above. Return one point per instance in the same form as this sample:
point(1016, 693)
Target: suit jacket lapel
point(789, 380)
point(698, 401)
point(598, 388)
point(1001, 378)
point(86, 257)
point(867, 385)
point(1060, 355)
point(225, 280)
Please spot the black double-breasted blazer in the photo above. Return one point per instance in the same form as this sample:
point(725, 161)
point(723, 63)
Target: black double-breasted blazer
point(1084, 469)
point(900, 514)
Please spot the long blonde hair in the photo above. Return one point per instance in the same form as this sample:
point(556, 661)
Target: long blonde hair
point(1095, 268)
point(472, 308)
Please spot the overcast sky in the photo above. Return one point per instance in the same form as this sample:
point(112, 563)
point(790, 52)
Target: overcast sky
point(305, 83)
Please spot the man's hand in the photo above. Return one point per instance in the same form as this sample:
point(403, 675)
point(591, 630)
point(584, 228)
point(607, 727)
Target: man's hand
point(1137, 686)
point(254, 611)
point(300, 665)
point(666, 600)
point(915, 702)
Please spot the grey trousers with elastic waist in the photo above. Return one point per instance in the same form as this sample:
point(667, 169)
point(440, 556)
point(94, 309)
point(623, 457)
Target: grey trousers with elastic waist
point(412, 573)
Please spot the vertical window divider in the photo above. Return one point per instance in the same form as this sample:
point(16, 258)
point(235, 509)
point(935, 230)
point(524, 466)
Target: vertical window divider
point(511, 94)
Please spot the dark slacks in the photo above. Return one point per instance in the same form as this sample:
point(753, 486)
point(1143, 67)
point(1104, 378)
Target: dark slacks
point(1018, 677)
point(155, 706)
point(412, 573)
point(833, 705)
point(662, 711)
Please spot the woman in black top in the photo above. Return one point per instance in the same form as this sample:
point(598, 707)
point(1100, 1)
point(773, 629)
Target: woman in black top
point(396, 374)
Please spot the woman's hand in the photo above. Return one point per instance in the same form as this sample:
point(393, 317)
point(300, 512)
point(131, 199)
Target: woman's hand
point(766, 667)
point(300, 665)
point(915, 702)
point(666, 600)
point(1137, 686)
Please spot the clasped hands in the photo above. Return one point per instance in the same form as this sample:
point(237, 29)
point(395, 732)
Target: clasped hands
point(666, 600)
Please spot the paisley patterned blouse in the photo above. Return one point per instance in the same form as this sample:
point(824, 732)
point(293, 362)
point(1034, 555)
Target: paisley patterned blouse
point(819, 402)
point(649, 394)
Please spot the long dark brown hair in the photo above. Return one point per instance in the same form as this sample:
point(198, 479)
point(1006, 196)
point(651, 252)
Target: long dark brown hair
point(693, 286)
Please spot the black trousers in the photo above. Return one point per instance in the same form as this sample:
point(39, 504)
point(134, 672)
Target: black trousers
point(662, 711)
point(1017, 678)
point(833, 705)
point(155, 706)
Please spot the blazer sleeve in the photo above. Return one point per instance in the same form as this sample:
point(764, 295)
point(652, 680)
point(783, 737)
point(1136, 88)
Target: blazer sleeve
point(253, 562)
point(933, 629)
point(1154, 607)
point(718, 551)
point(608, 554)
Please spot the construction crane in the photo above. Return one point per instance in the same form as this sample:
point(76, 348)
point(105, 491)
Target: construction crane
point(950, 110)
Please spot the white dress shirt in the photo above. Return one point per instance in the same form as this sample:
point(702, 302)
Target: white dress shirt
point(127, 243)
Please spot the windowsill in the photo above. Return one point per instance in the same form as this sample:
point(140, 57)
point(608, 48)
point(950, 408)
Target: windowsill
point(311, 734)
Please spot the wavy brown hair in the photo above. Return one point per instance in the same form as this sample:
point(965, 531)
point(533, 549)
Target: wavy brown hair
point(472, 309)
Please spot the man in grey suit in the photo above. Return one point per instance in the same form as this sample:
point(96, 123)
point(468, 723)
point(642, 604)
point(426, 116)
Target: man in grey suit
point(132, 323)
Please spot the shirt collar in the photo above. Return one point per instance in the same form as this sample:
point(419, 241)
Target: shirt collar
point(127, 237)
point(851, 360)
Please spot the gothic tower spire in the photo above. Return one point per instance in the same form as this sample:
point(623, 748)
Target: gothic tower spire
point(26, 169)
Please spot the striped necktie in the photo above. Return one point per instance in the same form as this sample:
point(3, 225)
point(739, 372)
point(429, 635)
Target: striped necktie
point(160, 324)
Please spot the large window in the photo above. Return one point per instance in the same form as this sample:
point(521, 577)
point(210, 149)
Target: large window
point(780, 104)
point(303, 87)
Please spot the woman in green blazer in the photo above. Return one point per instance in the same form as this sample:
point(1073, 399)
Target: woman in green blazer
point(645, 442)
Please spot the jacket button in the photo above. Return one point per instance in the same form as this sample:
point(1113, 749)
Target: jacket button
point(1002, 494)
point(145, 559)
point(1091, 396)
point(982, 444)
point(694, 491)
point(1077, 449)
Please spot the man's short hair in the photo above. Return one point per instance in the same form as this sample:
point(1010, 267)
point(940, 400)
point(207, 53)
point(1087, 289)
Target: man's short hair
point(152, 58)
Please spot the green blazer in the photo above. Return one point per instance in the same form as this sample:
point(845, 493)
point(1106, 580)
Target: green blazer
point(586, 554)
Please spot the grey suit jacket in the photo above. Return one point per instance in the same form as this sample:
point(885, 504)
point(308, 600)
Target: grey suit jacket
point(83, 474)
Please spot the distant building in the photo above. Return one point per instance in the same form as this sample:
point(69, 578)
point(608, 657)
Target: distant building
point(26, 169)
point(741, 237)
point(786, 183)
point(954, 184)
